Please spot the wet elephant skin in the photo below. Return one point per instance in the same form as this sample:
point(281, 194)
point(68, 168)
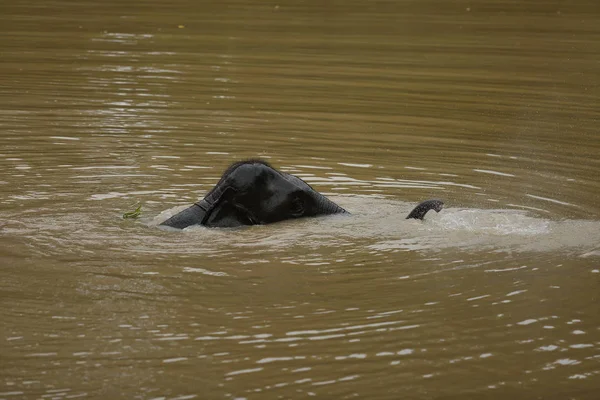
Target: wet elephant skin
point(253, 192)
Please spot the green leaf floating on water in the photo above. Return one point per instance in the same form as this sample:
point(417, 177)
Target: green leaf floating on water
point(133, 214)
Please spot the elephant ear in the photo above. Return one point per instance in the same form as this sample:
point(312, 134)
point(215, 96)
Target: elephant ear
point(227, 215)
point(218, 206)
point(218, 193)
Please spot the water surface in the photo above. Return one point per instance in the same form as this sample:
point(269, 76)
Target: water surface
point(491, 106)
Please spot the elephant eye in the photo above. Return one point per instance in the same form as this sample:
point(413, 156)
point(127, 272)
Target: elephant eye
point(297, 207)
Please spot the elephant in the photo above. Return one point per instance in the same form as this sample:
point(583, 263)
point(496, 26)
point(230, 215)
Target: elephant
point(252, 192)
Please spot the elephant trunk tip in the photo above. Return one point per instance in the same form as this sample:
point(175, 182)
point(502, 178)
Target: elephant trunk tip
point(420, 210)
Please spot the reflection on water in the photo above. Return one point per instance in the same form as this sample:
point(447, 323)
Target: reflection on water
point(490, 106)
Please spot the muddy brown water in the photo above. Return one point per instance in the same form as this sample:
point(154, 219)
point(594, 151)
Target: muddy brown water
point(493, 106)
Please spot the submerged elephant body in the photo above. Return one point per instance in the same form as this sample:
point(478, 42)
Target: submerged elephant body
point(253, 193)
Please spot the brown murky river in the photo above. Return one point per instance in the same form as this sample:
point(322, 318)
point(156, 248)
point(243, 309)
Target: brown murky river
point(493, 106)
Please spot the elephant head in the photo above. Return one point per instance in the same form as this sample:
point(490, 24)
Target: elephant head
point(252, 193)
